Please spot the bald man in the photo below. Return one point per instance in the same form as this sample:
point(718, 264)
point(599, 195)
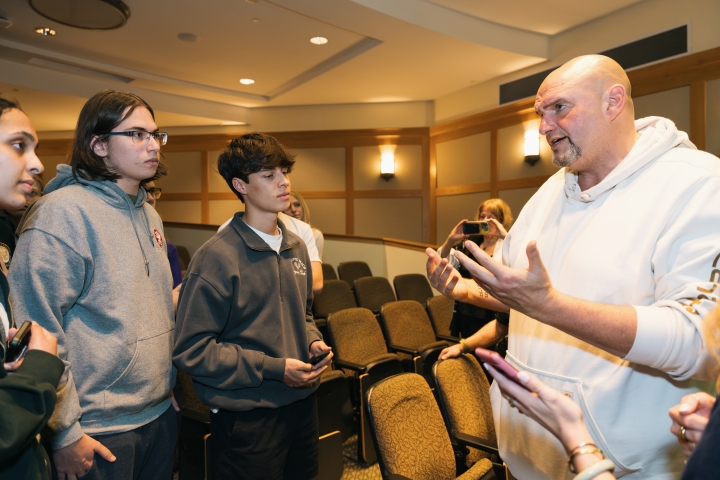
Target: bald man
point(609, 271)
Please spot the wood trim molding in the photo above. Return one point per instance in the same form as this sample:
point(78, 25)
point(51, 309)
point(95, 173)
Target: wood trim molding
point(390, 242)
point(387, 193)
point(181, 197)
point(522, 182)
point(463, 189)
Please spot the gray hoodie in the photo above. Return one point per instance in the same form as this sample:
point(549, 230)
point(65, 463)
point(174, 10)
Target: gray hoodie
point(92, 269)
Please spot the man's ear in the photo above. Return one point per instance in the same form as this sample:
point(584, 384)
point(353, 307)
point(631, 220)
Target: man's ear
point(239, 186)
point(99, 147)
point(615, 98)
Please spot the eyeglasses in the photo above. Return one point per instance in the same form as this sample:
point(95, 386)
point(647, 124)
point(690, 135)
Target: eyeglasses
point(155, 192)
point(141, 137)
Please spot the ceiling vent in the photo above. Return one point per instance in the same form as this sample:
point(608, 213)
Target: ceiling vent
point(87, 14)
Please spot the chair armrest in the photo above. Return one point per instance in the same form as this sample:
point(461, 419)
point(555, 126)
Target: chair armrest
point(447, 338)
point(409, 351)
point(476, 442)
point(350, 365)
point(390, 358)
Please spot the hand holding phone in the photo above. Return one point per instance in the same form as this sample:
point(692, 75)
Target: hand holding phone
point(476, 228)
point(19, 343)
point(494, 359)
point(315, 359)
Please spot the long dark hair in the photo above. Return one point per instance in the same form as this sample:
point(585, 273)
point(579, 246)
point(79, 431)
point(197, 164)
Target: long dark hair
point(99, 116)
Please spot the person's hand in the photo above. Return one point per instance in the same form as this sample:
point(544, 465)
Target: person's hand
point(452, 351)
point(456, 234)
point(176, 296)
point(77, 458)
point(174, 401)
point(526, 290)
point(550, 408)
point(300, 374)
point(319, 347)
point(693, 413)
point(496, 229)
point(444, 278)
point(40, 339)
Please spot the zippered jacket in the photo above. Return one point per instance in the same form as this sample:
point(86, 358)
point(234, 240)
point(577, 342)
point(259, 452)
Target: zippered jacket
point(243, 310)
point(91, 267)
point(647, 236)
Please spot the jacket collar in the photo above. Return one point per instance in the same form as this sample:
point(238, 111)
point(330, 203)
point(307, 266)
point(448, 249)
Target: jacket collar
point(253, 240)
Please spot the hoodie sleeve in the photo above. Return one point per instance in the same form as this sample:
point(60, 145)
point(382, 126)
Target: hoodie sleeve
point(201, 318)
point(46, 279)
point(686, 265)
point(313, 333)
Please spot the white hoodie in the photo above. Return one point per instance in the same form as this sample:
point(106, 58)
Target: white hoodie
point(648, 235)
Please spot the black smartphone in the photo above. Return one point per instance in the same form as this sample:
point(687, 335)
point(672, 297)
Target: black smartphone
point(18, 345)
point(319, 357)
point(476, 228)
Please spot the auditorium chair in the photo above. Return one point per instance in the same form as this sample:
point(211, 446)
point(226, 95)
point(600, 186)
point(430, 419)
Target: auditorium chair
point(373, 292)
point(328, 272)
point(335, 422)
point(411, 438)
point(359, 349)
point(440, 312)
point(194, 433)
point(463, 393)
point(351, 271)
point(409, 333)
point(184, 257)
point(335, 296)
point(412, 286)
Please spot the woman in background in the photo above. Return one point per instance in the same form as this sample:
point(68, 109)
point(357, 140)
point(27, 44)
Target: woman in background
point(299, 209)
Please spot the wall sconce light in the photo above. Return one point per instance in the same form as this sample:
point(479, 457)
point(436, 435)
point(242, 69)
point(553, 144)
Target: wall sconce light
point(387, 165)
point(532, 147)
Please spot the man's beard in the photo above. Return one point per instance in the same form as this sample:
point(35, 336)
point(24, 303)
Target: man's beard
point(565, 159)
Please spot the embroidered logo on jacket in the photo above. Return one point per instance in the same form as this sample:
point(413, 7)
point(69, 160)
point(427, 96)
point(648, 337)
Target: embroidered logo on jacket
point(299, 267)
point(158, 237)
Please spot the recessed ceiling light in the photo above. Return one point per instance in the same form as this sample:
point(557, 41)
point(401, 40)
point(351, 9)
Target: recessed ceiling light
point(319, 40)
point(247, 81)
point(48, 32)
point(187, 37)
point(256, 20)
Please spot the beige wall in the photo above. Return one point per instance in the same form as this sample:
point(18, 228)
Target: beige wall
point(327, 214)
point(389, 217)
point(517, 198)
point(712, 130)
point(511, 153)
point(673, 104)
point(453, 208)
point(624, 26)
point(179, 211)
point(463, 161)
point(50, 162)
point(318, 169)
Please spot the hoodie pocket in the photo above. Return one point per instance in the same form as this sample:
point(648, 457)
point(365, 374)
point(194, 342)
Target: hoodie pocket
point(145, 381)
point(573, 388)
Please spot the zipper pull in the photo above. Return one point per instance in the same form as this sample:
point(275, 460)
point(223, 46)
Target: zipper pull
point(147, 268)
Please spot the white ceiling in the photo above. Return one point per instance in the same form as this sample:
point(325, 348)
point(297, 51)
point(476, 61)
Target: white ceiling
point(379, 51)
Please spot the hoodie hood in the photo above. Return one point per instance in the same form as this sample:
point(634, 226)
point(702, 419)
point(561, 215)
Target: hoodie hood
point(109, 190)
point(657, 136)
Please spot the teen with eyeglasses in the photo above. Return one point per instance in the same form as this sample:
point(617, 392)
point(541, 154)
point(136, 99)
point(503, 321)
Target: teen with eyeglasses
point(91, 267)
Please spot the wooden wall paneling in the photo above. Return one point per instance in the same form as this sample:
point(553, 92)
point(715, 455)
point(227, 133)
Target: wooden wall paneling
point(429, 211)
point(522, 182)
point(349, 191)
point(387, 193)
point(698, 113)
point(463, 189)
point(205, 187)
point(494, 163)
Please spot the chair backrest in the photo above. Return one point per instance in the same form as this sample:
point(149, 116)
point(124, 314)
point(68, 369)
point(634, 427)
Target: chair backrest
point(407, 324)
point(351, 271)
point(408, 429)
point(412, 286)
point(356, 336)
point(464, 396)
point(440, 311)
point(328, 272)
point(373, 292)
point(335, 296)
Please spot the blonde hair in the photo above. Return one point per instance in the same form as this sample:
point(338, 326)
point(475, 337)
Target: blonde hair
point(500, 209)
point(306, 212)
point(711, 330)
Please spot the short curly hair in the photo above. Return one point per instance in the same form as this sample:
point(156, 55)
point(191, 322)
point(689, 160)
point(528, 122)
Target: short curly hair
point(252, 153)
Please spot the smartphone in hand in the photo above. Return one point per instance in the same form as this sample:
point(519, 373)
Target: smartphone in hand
point(494, 359)
point(476, 228)
point(19, 343)
point(315, 359)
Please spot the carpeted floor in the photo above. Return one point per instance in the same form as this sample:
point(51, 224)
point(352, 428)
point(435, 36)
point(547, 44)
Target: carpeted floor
point(355, 469)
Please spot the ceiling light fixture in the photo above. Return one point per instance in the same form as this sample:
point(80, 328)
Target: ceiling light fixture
point(319, 40)
point(247, 81)
point(48, 32)
point(532, 147)
point(87, 14)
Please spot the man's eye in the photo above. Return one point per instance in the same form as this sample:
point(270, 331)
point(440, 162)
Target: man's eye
point(19, 145)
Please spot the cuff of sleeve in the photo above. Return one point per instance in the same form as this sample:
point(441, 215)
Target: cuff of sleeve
point(67, 436)
point(43, 366)
point(314, 337)
point(654, 329)
point(273, 368)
